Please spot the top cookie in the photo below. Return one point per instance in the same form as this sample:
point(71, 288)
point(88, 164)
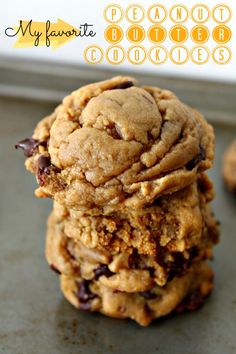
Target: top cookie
point(113, 144)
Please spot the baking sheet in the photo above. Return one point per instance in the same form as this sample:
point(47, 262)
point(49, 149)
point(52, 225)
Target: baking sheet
point(35, 318)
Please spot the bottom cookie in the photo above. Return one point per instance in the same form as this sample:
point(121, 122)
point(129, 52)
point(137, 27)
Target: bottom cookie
point(182, 293)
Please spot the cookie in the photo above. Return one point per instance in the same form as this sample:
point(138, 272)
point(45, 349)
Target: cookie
point(175, 222)
point(229, 167)
point(182, 293)
point(122, 271)
point(113, 144)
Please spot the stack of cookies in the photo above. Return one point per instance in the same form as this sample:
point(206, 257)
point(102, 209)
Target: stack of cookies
point(131, 225)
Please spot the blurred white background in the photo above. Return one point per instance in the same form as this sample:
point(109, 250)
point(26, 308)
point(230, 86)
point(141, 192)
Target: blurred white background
point(78, 12)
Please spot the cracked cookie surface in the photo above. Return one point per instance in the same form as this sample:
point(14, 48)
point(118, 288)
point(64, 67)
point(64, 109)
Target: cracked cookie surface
point(129, 272)
point(111, 147)
point(176, 222)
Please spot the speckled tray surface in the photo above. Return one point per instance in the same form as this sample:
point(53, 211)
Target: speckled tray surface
point(35, 318)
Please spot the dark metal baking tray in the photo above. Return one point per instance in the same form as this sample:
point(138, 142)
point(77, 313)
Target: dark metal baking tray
point(35, 318)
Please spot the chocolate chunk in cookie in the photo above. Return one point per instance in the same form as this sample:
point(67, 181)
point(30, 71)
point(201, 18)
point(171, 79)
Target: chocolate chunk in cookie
point(83, 293)
point(200, 157)
point(28, 145)
point(102, 270)
point(44, 164)
point(123, 85)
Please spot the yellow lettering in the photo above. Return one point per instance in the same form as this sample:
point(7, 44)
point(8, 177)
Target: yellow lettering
point(135, 13)
point(157, 54)
point(179, 13)
point(137, 55)
point(93, 52)
point(157, 15)
point(113, 13)
point(221, 52)
point(199, 54)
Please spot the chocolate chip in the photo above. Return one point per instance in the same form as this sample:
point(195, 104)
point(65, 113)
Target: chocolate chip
point(44, 143)
point(134, 260)
point(83, 293)
point(192, 302)
point(44, 168)
point(193, 253)
point(156, 202)
point(28, 145)
point(180, 264)
point(148, 295)
point(44, 164)
point(102, 270)
point(201, 156)
point(177, 267)
point(195, 300)
point(55, 269)
point(151, 271)
point(123, 85)
point(114, 131)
